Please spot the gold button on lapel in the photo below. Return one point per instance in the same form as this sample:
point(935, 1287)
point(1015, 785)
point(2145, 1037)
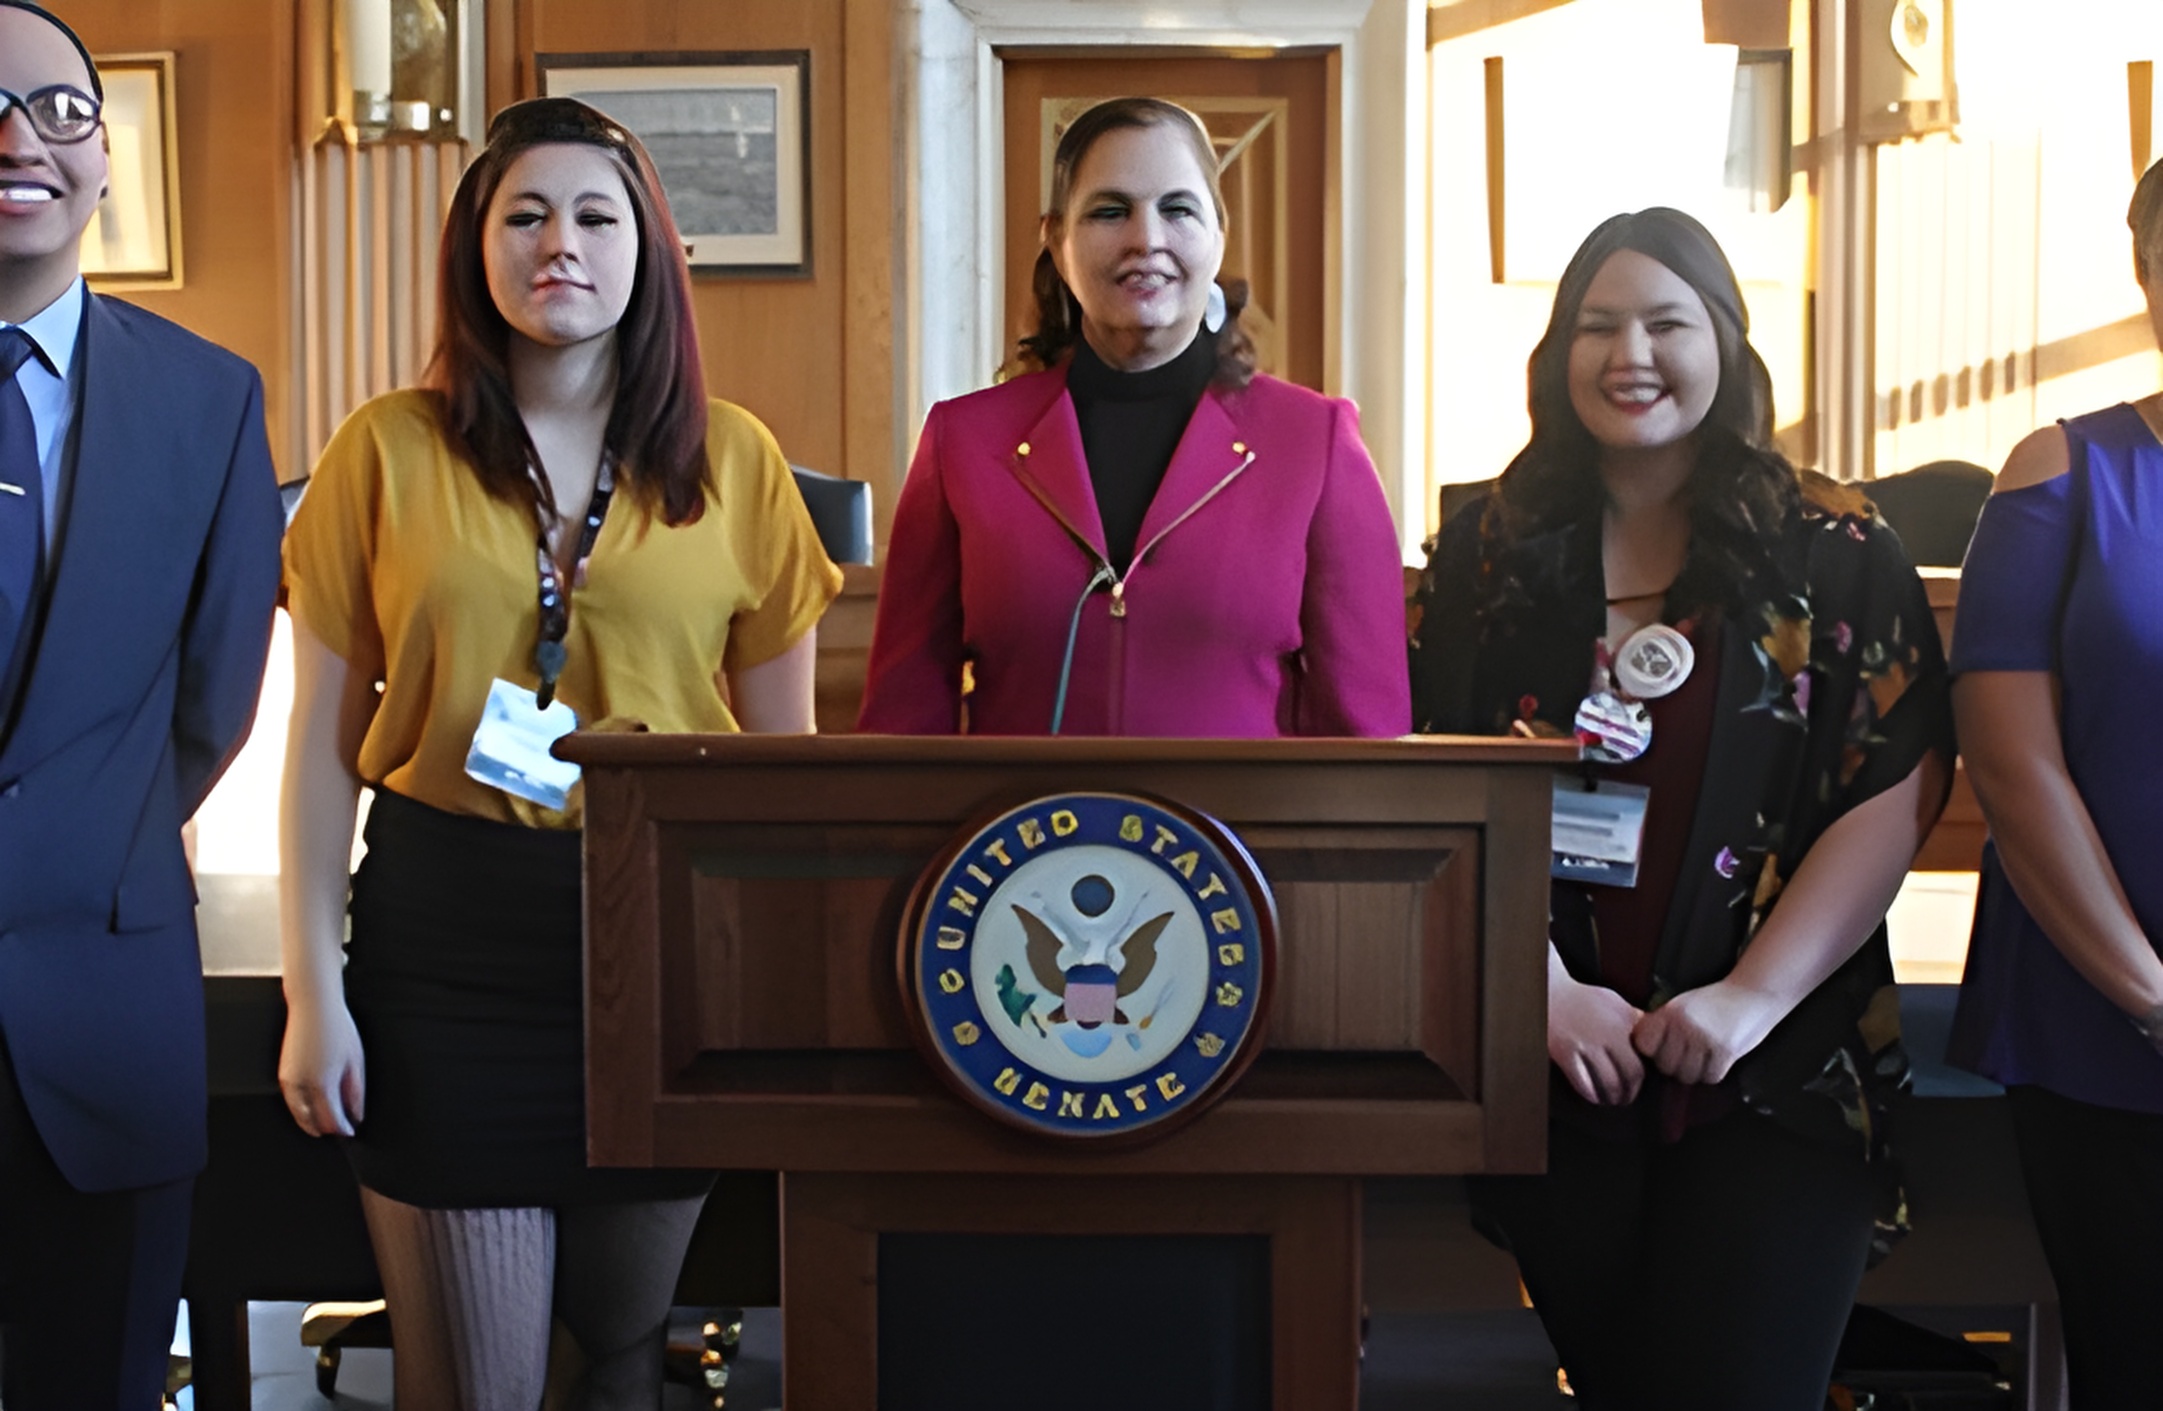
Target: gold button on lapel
point(1022, 449)
point(1239, 448)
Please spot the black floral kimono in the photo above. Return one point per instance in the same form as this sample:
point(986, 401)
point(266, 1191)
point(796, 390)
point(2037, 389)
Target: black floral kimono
point(1831, 691)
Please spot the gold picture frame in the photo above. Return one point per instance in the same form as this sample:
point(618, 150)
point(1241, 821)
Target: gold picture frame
point(133, 242)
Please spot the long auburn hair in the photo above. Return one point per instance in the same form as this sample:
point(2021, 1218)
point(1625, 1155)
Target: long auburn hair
point(656, 430)
point(1056, 322)
point(1742, 492)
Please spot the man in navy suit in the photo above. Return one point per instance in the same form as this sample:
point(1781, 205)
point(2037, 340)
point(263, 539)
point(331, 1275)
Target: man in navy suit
point(139, 528)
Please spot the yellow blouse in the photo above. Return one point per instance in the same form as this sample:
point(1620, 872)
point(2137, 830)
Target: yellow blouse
point(405, 567)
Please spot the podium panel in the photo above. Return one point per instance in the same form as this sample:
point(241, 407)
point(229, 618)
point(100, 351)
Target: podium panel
point(746, 1005)
point(744, 893)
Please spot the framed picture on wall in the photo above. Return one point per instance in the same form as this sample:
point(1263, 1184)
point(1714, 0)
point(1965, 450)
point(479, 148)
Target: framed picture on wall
point(133, 241)
point(729, 133)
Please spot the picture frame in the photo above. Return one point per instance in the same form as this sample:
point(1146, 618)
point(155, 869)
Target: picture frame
point(730, 135)
point(133, 242)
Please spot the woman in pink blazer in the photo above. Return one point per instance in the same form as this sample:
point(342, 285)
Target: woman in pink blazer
point(1140, 535)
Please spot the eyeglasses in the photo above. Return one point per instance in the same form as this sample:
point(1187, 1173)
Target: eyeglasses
point(60, 113)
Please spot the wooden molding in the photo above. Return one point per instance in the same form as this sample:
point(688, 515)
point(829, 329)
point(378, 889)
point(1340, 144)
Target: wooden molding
point(1497, 160)
point(1454, 19)
point(2140, 112)
point(1747, 24)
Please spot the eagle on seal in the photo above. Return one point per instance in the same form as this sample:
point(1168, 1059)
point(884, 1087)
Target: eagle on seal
point(1090, 989)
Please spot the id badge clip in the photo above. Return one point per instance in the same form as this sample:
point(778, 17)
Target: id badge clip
point(510, 749)
point(1599, 830)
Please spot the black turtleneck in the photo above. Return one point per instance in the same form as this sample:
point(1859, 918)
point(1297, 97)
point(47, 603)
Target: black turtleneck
point(1131, 423)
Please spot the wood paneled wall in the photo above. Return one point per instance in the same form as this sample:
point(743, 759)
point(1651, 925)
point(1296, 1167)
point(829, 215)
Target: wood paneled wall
point(813, 358)
point(235, 92)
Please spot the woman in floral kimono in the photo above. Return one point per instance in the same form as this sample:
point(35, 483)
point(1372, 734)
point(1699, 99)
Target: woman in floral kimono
point(1752, 664)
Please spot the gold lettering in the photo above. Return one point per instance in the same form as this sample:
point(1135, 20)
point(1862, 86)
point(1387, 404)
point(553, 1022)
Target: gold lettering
point(1070, 1104)
point(952, 938)
point(996, 848)
point(1231, 953)
point(1007, 1081)
point(1064, 822)
point(1105, 1108)
point(1185, 863)
point(1229, 995)
point(1032, 834)
point(950, 980)
point(1225, 920)
point(1169, 1085)
point(1138, 1096)
point(961, 901)
point(1210, 1045)
point(1165, 838)
point(1130, 828)
point(980, 874)
point(966, 1033)
point(1034, 1098)
point(1214, 889)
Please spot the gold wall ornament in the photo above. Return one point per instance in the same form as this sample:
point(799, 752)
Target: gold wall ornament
point(392, 69)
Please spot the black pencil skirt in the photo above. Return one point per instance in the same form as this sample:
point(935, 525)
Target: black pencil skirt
point(465, 978)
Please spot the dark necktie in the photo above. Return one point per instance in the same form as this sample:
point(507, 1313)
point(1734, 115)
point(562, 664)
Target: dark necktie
point(22, 503)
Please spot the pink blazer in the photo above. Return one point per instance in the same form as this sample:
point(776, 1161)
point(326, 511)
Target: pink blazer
point(1266, 595)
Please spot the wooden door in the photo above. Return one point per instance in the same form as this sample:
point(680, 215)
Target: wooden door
point(1268, 118)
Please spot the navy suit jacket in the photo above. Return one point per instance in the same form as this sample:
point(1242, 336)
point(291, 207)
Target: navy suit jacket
point(156, 623)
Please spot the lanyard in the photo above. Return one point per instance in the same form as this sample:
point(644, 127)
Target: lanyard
point(548, 650)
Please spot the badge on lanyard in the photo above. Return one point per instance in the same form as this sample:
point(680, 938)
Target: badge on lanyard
point(1598, 830)
point(510, 748)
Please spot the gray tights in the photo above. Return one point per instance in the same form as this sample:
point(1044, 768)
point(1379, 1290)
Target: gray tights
point(472, 1294)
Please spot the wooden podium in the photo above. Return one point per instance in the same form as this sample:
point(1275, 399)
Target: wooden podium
point(743, 900)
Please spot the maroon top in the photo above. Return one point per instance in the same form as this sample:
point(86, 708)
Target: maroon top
point(1628, 921)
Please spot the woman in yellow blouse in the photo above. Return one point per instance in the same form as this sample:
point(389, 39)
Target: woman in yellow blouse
point(559, 529)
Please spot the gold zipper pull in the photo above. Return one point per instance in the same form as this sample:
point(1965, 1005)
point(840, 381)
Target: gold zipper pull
point(1119, 597)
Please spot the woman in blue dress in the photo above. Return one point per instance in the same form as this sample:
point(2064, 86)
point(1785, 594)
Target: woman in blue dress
point(2059, 664)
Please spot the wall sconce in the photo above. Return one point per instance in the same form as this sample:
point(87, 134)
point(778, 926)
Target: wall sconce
point(1904, 82)
point(403, 68)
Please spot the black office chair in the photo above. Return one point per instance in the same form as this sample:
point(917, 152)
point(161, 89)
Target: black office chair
point(1933, 508)
point(840, 511)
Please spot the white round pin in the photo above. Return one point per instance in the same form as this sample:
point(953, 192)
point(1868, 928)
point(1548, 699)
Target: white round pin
point(1654, 661)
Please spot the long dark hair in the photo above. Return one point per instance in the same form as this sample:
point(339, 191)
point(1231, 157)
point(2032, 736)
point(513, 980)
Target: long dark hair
point(657, 428)
point(1057, 321)
point(1742, 491)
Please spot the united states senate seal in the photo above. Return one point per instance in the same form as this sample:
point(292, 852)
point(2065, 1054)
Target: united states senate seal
point(1091, 965)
